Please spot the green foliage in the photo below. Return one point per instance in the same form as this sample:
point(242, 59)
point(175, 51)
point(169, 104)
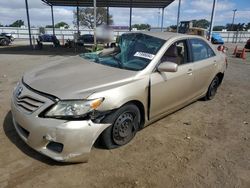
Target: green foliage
point(58, 25)
point(202, 23)
point(62, 24)
point(247, 26)
point(218, 28)
point(86, 17)
point(17, 23)
point(235, 27)
point(173, 27)
point(41, 30)
point(97, 48)
point(141, 26)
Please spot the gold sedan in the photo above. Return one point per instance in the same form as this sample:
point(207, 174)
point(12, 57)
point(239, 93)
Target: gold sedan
point(60, 109)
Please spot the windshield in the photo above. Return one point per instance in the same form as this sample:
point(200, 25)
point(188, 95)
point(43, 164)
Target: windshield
point(134, 52)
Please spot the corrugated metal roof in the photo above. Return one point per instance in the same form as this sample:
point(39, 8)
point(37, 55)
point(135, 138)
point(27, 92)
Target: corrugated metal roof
point(112, 3)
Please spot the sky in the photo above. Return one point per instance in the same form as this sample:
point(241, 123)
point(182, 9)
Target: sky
point(40, 15)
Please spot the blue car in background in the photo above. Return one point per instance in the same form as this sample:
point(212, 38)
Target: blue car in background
point(217, 39)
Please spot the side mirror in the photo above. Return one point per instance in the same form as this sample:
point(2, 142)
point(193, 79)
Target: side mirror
point(167, 67)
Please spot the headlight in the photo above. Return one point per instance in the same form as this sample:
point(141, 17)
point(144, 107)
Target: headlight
point(73, 108)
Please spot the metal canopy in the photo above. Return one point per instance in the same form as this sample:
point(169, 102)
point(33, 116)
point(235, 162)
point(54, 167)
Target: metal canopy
point(111, 3)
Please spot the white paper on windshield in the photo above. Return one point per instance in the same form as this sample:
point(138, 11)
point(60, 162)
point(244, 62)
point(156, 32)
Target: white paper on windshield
point(144, 55)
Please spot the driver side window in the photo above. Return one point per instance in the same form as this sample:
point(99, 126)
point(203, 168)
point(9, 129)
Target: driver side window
point(177, 53)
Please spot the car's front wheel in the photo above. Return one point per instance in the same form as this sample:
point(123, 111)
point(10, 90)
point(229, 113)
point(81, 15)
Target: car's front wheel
point(125, 123)
point(4, 42)
point(212, 89)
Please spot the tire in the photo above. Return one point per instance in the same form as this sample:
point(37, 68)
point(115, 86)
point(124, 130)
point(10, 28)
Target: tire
point(5, 42)
point(125, 123)
point(212, 89)
point(113, 45)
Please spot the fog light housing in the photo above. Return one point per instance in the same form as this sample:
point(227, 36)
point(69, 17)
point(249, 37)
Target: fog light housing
point(55, 147)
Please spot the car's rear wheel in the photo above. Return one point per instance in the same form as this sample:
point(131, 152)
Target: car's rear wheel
point(4, 42)
point(125, 123)
point(212, 89)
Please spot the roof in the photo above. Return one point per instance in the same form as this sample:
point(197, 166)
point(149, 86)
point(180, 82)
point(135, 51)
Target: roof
point(162, 35)
point(111, 3)
point(167, 35)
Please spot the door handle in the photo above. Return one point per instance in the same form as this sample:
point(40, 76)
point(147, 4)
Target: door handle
point(215, 63)
point(190, 71)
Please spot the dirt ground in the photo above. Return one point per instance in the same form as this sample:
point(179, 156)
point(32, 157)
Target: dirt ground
point(206, 144)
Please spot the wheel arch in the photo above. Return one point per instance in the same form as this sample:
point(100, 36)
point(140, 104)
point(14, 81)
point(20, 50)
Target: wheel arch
point(220, 76)
point(141, 108)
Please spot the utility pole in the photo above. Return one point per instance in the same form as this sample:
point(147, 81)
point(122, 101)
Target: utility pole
point(231, 28)
point(212, 20)
point(233, 18)
point(28, 19)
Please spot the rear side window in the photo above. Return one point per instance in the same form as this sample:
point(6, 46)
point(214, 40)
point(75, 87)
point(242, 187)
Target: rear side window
point(201, 50)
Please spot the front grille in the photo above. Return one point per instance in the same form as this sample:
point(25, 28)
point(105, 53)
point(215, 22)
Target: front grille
point(28, 103)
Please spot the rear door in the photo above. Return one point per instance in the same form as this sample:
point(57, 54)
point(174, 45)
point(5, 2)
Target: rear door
point(204, 65)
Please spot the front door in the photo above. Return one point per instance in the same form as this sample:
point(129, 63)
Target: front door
point(171, 90)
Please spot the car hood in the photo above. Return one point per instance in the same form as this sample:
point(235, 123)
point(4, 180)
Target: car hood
point(76, 78)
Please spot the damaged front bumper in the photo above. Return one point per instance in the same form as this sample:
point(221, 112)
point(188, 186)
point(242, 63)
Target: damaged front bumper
point(61, 140)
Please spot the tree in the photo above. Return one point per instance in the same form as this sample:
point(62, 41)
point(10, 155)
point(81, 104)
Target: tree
point(62, 24)
point(48, 26)
point(58, 25)
point(17, 23)
point(1, 25)
point(235, 27)
point(86, 17)
point(173, 27)
point(247, 26)
point(202, 23)
point(218, 28)
point(41, 30)
point(142, 26)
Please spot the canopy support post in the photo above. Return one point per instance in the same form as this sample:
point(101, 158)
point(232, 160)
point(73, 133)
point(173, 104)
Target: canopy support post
point(178, 16)
point(130, 16)
point(77, 18)
point(107, 15)
point(130, 19)
point(52, 16)
point(28, 19)
point(95, 23)
point(162, 19)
